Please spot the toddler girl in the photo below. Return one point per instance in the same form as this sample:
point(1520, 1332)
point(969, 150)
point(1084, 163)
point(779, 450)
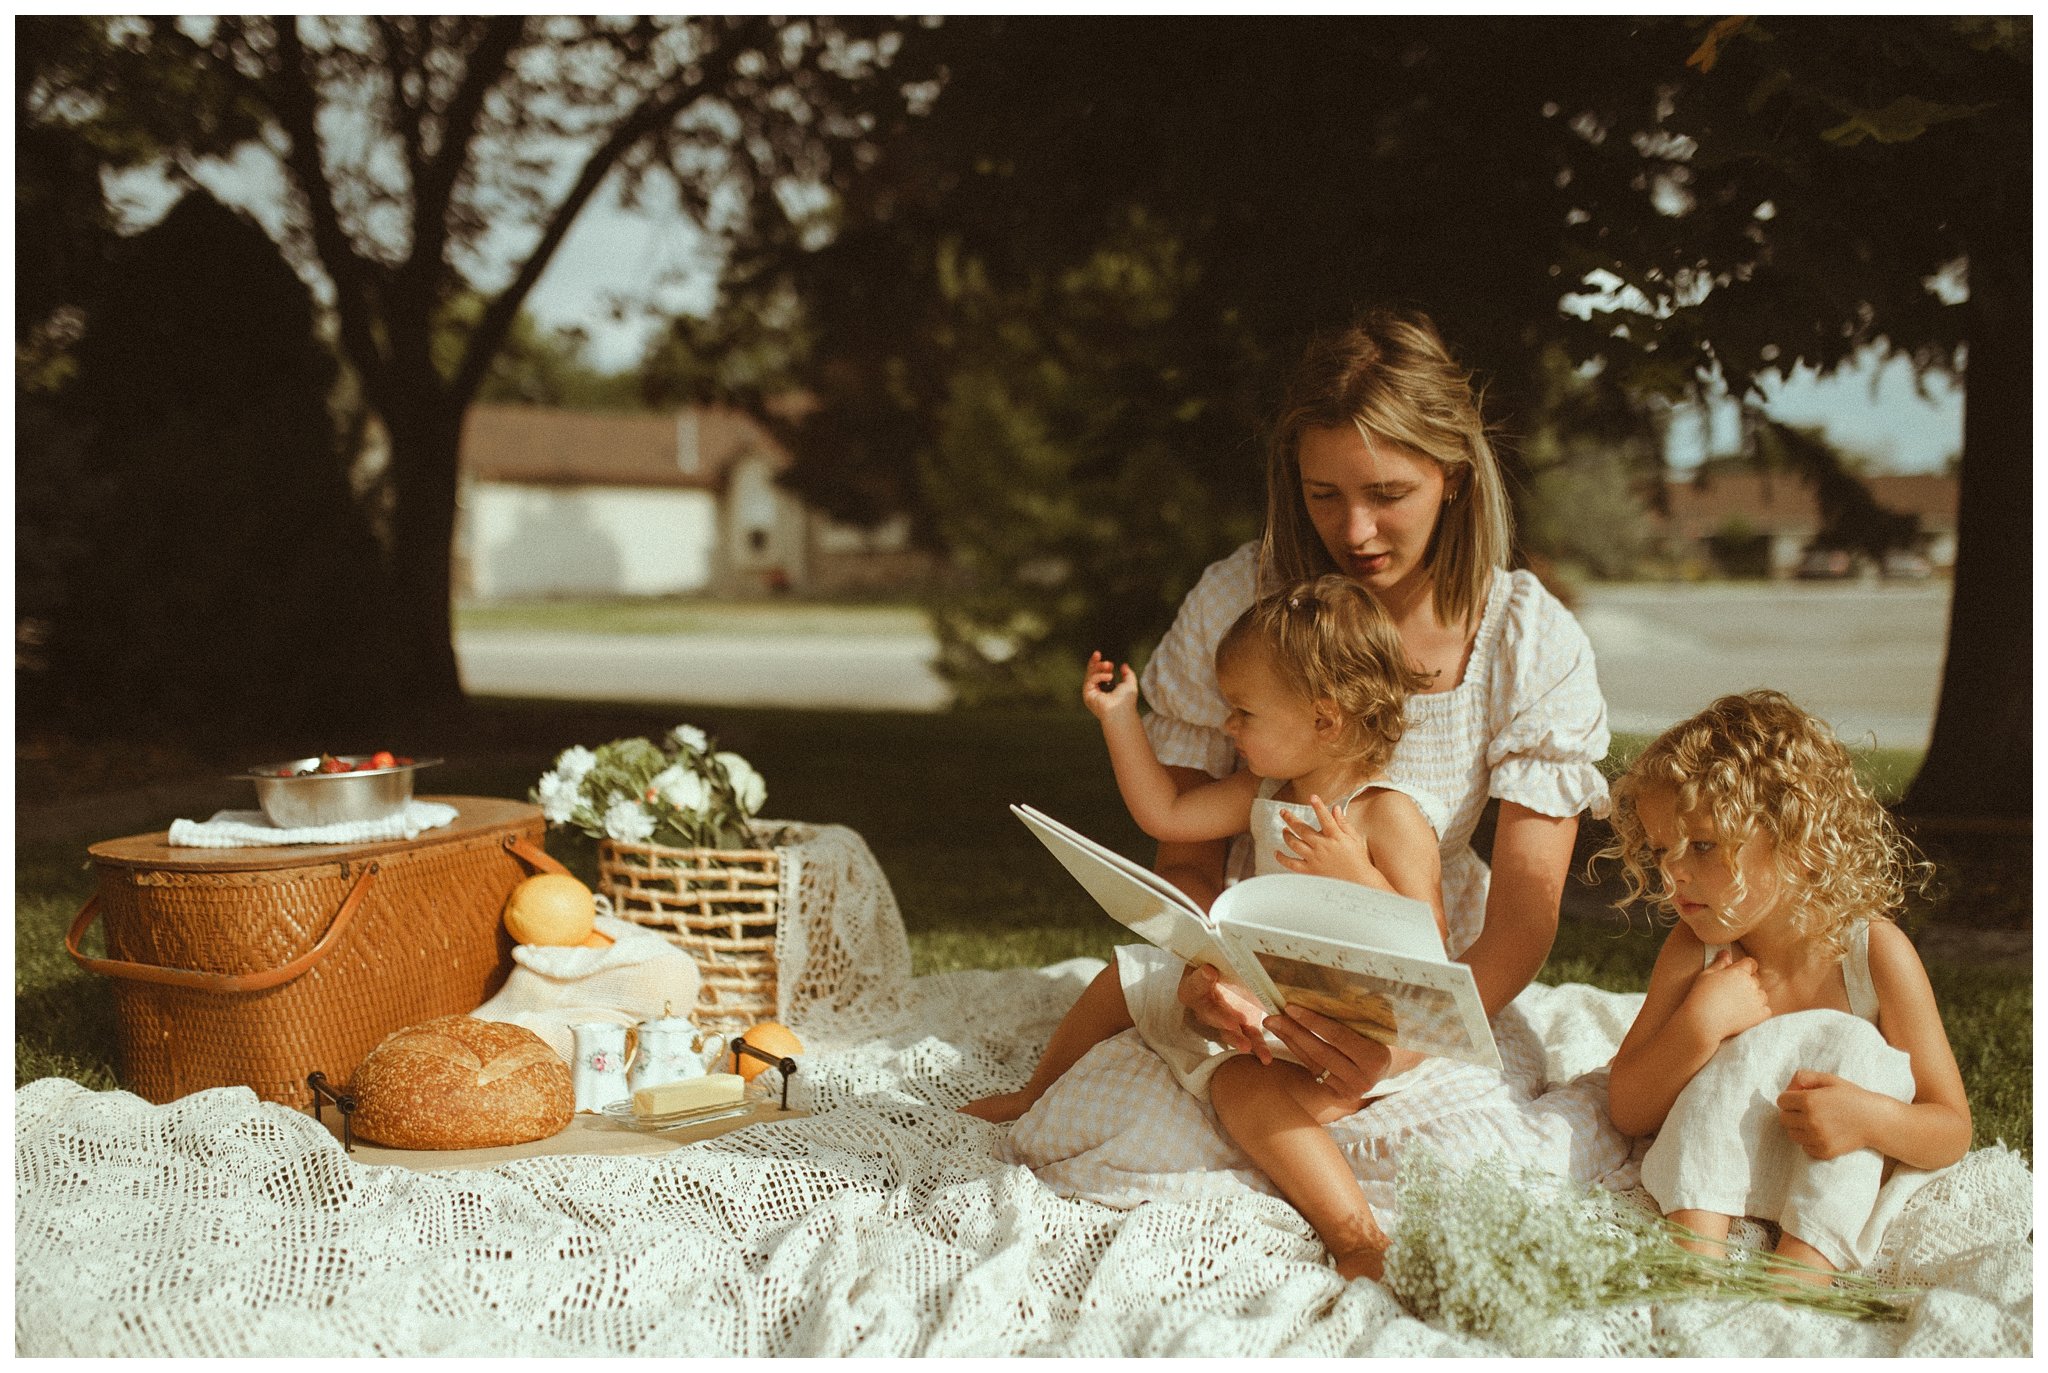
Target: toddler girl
point(1316, 678)
point(1789, 1044)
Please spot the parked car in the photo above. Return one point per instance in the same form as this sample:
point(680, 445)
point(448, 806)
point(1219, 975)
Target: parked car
point(1826, 564)
point(1907, 566)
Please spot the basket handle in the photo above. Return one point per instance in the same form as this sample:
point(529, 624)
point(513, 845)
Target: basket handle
point(532, 854)
point(219, 982)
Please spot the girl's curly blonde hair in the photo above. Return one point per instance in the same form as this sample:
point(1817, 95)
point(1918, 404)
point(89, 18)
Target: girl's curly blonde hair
point(1757, 765)
point(1331, 641)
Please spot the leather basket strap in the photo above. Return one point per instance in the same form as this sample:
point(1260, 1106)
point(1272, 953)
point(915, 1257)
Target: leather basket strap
point(532, 854)
point(220, 982)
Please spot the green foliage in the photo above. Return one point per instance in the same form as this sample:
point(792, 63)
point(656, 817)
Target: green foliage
point(1590, 453)
point(536, 366)
point(1055, 477)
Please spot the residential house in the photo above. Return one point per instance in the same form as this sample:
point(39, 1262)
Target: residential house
point(1765, 521)
point(568, 503)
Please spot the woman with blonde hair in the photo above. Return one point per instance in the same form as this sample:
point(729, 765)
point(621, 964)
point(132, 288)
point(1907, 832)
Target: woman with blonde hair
point(1379, 467)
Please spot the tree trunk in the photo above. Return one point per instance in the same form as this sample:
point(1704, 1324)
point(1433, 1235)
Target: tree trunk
point(1979, 765)
point(425, 445)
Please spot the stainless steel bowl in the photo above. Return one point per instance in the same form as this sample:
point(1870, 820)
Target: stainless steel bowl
point(332, 798)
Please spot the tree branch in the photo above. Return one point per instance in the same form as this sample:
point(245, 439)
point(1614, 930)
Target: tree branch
point(496, 323)
point(435, 187)
point(405, 116)
point(352, 274)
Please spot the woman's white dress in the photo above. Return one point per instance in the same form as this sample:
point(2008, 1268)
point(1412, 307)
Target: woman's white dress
point(1722, 1149)
point(1526, 723)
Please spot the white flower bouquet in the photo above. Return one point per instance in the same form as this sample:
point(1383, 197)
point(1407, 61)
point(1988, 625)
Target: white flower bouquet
point(1502, 1252)
point(681, 792)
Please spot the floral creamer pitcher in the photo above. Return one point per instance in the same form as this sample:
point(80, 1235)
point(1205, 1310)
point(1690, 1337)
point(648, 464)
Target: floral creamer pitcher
point(600, 1067)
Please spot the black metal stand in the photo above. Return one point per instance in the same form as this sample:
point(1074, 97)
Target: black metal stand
point(323, 1094)
point(785, 1066)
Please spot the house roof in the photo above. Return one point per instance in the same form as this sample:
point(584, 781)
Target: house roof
point(689, 449)
point(1780, 503)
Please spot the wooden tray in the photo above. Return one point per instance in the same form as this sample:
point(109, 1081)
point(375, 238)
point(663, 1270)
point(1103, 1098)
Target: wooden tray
point(587, 1134)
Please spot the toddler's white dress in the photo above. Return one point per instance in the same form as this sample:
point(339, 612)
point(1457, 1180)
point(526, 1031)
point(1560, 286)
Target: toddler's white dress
point(1151, 977)
point(1525, 723)
point(1722, 1148)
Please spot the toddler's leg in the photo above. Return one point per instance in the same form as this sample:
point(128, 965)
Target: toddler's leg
point(1710, 1226)
point(1100, 1013)
point(1276, 1112)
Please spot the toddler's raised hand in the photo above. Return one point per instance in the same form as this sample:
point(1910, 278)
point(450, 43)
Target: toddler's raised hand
point(1104, 692)
point(1334, 850)
point(1727, 996)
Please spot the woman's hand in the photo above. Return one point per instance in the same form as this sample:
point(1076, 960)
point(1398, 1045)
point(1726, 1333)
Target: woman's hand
point(1103, 692)
point(1825, 1115)
point(1345, 1060)
point(1226, 1010)
point(1333, 850)
point(1726, 998)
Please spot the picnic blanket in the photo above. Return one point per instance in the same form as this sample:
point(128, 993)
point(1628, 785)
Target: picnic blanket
point(881, 1225)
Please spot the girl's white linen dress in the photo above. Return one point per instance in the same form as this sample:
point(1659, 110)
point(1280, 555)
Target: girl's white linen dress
point(1722, 1148)
point(1526, 723)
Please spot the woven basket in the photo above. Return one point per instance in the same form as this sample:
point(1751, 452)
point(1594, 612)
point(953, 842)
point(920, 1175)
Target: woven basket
point(256, 966)
point(722, 906)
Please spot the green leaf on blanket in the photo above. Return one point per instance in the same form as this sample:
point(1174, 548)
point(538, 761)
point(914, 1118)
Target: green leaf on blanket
point(1501, 1252)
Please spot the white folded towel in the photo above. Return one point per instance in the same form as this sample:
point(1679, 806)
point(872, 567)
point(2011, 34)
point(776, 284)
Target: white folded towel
point(233, 829)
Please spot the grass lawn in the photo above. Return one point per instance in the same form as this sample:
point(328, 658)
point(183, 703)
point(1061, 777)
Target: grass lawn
point(666, 615)
point(930, 795)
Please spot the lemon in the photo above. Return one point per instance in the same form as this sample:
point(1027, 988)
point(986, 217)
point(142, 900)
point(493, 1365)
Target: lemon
point(552, 908)
point(770, 1038)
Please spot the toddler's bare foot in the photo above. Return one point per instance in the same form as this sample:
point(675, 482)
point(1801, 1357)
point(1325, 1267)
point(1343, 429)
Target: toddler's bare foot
point(1003, 1107)
point(1368, 1262)
point(1799, 1262)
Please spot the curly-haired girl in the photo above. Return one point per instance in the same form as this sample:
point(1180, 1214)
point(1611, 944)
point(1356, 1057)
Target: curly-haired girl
point(1788, 1051)
point(1316, 679)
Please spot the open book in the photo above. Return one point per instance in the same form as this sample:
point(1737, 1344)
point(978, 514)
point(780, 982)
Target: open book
point(1366, 957)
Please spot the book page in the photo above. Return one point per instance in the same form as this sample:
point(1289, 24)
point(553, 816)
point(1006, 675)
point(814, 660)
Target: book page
point(1152, 907)
point(1339, 912)
point(1424, 1004)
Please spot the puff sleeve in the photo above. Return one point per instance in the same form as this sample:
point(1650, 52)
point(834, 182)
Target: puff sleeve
point(1179, 682)
point(1547, 718)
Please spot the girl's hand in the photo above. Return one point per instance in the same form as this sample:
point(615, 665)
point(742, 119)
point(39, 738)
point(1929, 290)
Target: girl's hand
point(1103, 692)
point(1726, 997)
point(1826, 1116)
point(1226, 1010)
point(1346, 1060)
point(1334, 850)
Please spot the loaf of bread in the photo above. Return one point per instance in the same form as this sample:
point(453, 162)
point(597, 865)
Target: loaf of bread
point(460, 1083)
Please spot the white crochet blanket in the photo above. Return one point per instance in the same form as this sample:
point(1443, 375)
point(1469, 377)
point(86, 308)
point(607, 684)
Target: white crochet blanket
point(881, 1225)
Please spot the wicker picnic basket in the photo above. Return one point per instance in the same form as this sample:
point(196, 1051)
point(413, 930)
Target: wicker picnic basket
point(257, 966)
point(722, 906)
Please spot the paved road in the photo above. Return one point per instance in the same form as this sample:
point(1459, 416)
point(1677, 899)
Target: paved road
point(872, 672)
point(1866, 658)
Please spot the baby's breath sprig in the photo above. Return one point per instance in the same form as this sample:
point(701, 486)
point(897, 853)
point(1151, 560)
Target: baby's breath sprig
point(1501, 1251)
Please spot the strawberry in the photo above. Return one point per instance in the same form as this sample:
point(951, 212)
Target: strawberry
point(382, 759)
point(330, 763)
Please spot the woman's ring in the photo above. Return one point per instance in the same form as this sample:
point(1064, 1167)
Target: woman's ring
point(1322, 1077)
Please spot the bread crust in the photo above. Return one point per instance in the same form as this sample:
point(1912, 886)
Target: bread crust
point(461, 1083)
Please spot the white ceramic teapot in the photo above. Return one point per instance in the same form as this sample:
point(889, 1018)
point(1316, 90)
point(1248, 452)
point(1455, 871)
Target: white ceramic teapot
point(671, 1049)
